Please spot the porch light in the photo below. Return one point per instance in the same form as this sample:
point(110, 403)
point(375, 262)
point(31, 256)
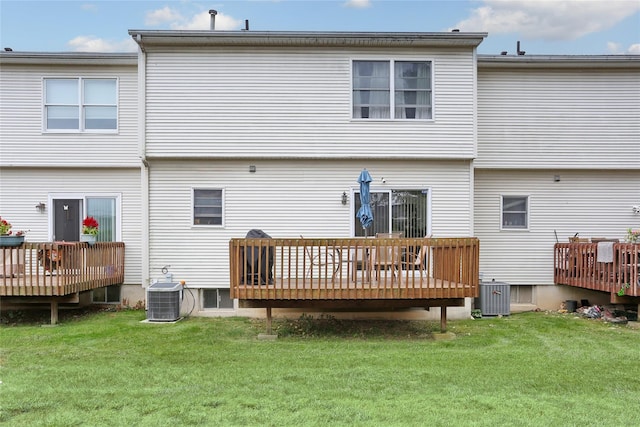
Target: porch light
point(345, 198)
point(40, 207)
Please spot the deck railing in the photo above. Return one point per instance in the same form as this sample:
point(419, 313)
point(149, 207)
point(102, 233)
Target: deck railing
point(354, 268)
point(580, 265)
point(59, 268)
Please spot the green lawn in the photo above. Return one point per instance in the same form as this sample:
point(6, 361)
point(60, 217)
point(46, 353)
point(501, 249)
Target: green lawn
point(109, 369)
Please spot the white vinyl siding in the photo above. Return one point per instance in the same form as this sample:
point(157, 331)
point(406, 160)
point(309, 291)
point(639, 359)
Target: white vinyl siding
point(565, 118)
point(21, 120)
point(295, 103)
point(293, 198)
point(591, 203)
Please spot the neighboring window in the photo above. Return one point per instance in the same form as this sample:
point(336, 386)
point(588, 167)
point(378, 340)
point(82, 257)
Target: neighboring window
point(515, 210)
point(107, 295)
point(80, 104)
point(408, 95)
point(216, 298)
point(103, 209)
point(407, 213)
point(207, 207)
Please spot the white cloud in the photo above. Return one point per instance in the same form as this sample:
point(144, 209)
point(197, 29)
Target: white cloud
point(202, 21)
point(613, 47)
point(95, 44)
point(634, 49)
point(162, 16)
point(548, 19)
point(358, 4)
point(89, 7)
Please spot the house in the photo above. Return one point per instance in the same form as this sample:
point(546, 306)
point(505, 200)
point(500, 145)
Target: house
point(558, 136)
point(69, 148)
point(222, 132)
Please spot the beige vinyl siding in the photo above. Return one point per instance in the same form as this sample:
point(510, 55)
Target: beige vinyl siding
point(591, 203)
point(293, 103)
point(22, 140)
point(284, 199)
point(565, 118)
point(22, 188)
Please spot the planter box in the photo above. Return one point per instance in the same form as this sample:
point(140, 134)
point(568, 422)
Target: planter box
point(10, 241)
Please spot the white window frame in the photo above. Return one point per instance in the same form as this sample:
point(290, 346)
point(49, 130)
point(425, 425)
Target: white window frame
point(217, 308)
point(80, 105)
point(392, 90)
point(193, 207)
point(355, 191)
point(504, 227)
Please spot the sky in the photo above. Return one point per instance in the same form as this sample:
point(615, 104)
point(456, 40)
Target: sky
point(543, 27)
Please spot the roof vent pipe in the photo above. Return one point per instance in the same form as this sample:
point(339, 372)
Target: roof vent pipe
point(213, 14)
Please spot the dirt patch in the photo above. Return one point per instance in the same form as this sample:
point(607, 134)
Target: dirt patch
point(42, 315)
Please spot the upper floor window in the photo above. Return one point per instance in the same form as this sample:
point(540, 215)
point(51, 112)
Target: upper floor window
point(515, 212)
point(207, 207)
point(392, 90)
point(80, 104)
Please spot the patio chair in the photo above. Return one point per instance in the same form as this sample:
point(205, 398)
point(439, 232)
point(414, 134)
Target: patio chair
point(321, 259)
point(386, 257)
point(421, 261)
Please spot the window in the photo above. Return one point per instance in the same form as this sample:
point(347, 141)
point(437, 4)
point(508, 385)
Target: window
point(80, 104)
point(515, 211)
point(207, 207)
point(103, 209)
point(407, 213)
point(408, 95)
point(216, 298)
point(106, 295)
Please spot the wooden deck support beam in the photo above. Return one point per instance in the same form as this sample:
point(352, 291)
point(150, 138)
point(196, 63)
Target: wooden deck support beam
point(54, 312)
point(443, 319)
point(269, 330)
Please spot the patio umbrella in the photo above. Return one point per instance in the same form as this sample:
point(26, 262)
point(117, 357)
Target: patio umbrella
point(364, 213)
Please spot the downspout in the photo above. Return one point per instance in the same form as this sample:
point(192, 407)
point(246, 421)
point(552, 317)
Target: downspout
point(472, 168)
point(144, 165)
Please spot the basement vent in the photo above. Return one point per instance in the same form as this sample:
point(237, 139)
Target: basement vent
point(163, 302)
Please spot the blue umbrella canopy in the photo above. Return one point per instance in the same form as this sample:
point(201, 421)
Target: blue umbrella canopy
point(364, 213)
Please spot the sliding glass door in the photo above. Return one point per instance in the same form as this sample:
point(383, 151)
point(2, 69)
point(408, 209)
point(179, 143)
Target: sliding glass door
point(404, 211)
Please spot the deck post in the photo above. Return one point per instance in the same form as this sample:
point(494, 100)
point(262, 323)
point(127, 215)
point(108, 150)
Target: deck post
point(443, 319)
point(269, 321)
point(54, 312)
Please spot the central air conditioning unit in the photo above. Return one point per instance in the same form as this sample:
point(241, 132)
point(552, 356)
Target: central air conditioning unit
point(163, 302)
point(495, 298)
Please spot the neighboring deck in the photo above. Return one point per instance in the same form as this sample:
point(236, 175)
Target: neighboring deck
point(615, 272)
point(374, 273)
point(53, 272)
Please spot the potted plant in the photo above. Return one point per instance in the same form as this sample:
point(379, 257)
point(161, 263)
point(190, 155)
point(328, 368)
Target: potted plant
point(89, 230)
point(8, 237)
point(633, 236)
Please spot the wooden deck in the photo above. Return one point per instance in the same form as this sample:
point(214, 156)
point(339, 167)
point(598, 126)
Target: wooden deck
point(54, 272)
point(374, 273)
point(617, 272)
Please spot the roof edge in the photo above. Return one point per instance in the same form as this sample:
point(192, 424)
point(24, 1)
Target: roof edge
point(82, 58)
point(295, 38)
point(558, 61)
